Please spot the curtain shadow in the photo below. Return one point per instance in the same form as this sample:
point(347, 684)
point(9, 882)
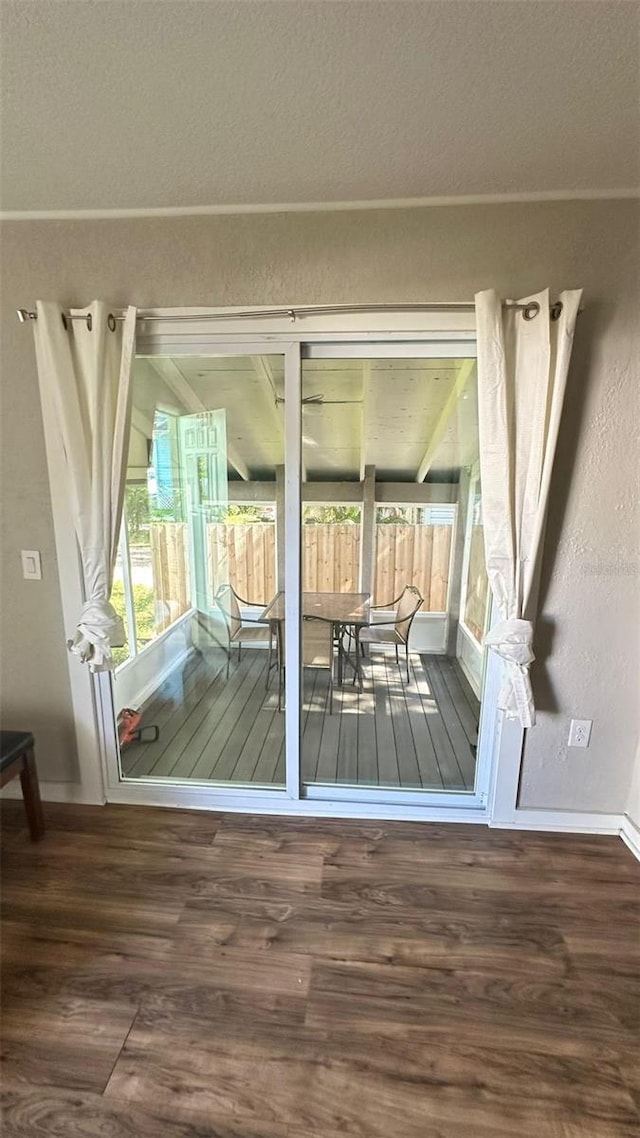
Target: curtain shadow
point(543, 692)
point(590, 328)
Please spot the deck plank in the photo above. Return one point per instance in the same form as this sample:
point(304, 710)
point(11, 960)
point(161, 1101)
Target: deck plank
point(367, 741)
point(408, 769)
point(197, 690)
point(226, 757)
point(452, 777)
point(469, 716)
point(266, 767)
point(388, 774)
point(465, 686)
point(347, 696)
point(328, 756)
point(166, 700)
point(208, 745)
point(388, 735)
point(280, 774)
point(464, 755)
point(312, 733)
point(256, 738)
point(428, 764)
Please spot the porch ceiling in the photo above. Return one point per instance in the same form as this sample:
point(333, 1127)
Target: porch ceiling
point(413, 419)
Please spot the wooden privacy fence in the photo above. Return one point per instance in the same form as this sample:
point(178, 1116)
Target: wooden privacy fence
point(330, 558)
point(245, 554)
point(413, 555)
point(170, 566)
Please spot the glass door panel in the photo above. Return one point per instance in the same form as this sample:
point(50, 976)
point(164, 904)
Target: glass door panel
point(196, 690)
point(388, 446)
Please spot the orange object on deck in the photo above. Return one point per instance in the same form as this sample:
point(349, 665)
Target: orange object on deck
point(129, 721)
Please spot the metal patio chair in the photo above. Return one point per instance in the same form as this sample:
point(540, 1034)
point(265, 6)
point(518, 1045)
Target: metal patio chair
point(243, 629)
point(318, 643)
point(395, 631)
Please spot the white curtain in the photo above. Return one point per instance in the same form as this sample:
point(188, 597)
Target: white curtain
point(85, 367)
point(522, 373)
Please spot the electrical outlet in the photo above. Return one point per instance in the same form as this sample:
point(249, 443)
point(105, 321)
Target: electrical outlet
point(580, 732)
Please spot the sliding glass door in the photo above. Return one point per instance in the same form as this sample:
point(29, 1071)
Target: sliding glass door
point(196, 690)
point(300, 573)
point(388, 445)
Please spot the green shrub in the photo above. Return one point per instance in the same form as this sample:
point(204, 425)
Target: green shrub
point(144, 604)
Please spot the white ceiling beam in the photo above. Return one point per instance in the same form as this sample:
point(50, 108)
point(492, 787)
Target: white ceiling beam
point(191, 401)
point(461, 380)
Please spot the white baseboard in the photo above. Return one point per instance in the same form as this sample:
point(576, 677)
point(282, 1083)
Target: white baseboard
point(562, 821)
point(544, 821)
point(53, 792)
point(630, 834)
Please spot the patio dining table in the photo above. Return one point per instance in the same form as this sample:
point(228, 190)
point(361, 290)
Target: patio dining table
point(346, 612)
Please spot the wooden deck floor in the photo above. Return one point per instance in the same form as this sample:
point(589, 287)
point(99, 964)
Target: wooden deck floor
point(418, 736)
point(188, 975)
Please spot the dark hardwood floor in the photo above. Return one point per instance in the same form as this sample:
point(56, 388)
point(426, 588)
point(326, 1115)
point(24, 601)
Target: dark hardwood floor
point(169, 974)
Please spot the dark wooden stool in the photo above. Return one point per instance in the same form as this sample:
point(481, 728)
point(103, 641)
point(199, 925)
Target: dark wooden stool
point(17, 757)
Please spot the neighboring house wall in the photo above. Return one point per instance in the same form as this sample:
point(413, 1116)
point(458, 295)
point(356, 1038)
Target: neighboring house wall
point(589, 580)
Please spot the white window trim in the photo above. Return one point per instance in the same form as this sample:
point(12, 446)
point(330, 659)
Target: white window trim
point(450, 333)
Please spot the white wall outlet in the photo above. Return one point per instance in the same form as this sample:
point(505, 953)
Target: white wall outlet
point(31, 566)
point(580, 732)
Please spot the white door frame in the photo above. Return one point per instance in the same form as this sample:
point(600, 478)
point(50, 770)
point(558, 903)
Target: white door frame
point(396, 334)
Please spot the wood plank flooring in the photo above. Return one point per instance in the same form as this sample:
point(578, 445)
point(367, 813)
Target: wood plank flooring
point(169, 974)
point(416, 736)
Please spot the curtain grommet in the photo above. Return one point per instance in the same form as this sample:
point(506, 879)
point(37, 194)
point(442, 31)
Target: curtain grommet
point(556, 310)
point(530, 310)
point(65, 322)
point(111, 322)
point(89, 322)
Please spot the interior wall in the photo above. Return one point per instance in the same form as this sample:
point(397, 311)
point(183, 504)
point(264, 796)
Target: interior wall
point(633, 798)
point(589, 581)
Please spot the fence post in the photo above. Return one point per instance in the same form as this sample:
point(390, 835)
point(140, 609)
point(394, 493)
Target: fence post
point(368, 530)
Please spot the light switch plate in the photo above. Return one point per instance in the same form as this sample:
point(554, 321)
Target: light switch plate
point(31, 565)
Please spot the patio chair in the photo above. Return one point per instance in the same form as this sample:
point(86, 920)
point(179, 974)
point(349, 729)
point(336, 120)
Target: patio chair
point(395, 631)
point(317, 648)
point(318, 643)
point(242, 630)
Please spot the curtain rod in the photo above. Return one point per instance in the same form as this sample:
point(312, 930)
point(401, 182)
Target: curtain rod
point(529, 312)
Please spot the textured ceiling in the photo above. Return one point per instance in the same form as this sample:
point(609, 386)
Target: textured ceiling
point(136, 104)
